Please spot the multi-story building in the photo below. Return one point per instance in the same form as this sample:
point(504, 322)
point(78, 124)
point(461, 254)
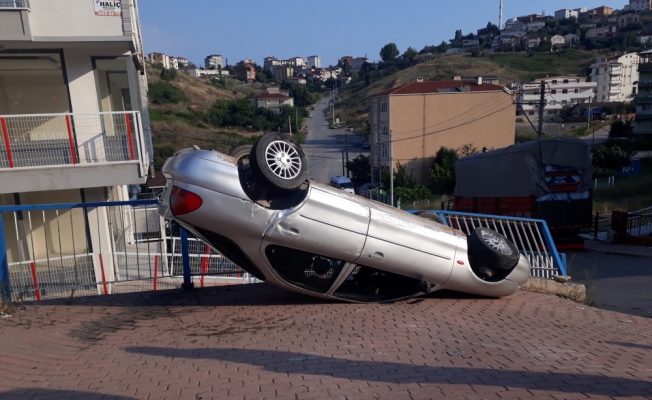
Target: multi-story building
point(273, 101)
point(565, 13)
point(627, 19)
point(424, 116)
point(182, 61)
point(488, 79)
point(357, 63)
point(347, 59)
point(73, 116)
point(296, 61)
point(314, 61)
point(158, 58)
point(644, 98)
point(281, 73)
point(561, 91)
point(602, 32)
point(530, 41)
point(616, 78)
point(271, 62)
point(245, 70)
point(596, 14)
point(639, 5)
point(213, 61)
point(557, 41)
point(174, 62)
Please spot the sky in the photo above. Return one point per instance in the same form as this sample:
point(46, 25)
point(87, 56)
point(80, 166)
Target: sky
point(255, 29)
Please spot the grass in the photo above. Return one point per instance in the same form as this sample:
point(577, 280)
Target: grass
point(627, 194)
point(526, 136)
point(583, 131)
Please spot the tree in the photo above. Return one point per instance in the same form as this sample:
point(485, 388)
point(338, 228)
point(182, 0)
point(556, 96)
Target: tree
point(164, 93)
point(389, 52)
point(330, 83)
point(443, 171)
point(621, 128)
point(168, 74)
point(360, 169)
point(402, 178)
point(301, 95)
point(611, 157)
point(443, 47)
point(410, 53)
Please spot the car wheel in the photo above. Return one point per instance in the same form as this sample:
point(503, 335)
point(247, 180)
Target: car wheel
point(241, 153)
point(492, 250)
point(279, 160)
point(431, 216)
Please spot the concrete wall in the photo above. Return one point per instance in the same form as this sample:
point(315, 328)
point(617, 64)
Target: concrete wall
point(450, 120)
point(56, 18)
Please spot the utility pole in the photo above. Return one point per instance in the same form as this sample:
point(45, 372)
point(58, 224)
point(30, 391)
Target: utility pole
point(296, 119)
point(391, 170)
point(290, 124)
point(542, 104)
point(346, 144)
point(588, 117)
point(343, 164)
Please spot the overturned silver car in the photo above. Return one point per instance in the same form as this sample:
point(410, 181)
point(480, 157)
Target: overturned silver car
point(257, 209)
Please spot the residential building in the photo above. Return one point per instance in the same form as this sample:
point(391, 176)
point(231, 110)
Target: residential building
point(484, 34)
point(581, 9)
point(245, 71)
point(294, 80)
point(534, 26)
point(470, 43)
point(347, 59)
point(561, 91)
point(424, 116)
point(174, 63)
point(488, 79)
point(277, 89)
point(639, 5)
point(356, 63)
point(627, 19)
point(158, 59)
point(596, 14)
point(645, 35)
point(644, 98)
point(530, 18)
point(616, 77)
point(182, 61)
point(557, 41)
point(531, 41)
point(270, 62)
point(514, 25)
point(565, 13)
point(204, 73)
point(281, 73)
point(213, 61)
point(74, 122)
point(602, 32)
point(273, 101)
point(296, 61)
point(571, 39)
point(314, 61)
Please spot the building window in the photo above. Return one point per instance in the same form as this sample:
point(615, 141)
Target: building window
point(565, 91)
point(565, 80)
point(634, 90)
point(564, 102)
point(384, 151)
point(383, 106)
point(552, 102)
point(602, 97)
point(577, 90)
point(554, 81)
point(530, 103)
point(375, 107)
point(383, 129)
point(531, 113)
point(553, 91)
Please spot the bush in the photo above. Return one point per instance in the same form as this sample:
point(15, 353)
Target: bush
point(168, 75)
point(164, 93)
point(621, 128)
point(443, 171)
point(603, 172)
point(611, 157)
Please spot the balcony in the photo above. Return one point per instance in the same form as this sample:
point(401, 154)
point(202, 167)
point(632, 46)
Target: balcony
point(14, 4)
point(66, 151)
point(644, 117)
point(645, 67)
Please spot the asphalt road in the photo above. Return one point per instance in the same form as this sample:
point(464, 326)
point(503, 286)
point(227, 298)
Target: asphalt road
point(616, 282)
point(321, 147)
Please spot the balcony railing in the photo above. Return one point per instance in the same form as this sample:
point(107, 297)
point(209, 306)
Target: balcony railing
point(40, 140)
point(20, 4)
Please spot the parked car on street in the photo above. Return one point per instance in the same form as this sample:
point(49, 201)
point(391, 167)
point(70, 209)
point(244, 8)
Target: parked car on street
point(366, 145)
point(258, 209)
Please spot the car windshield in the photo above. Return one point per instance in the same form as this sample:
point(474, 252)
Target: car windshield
point(305, 270)
point(346, 185)
point(371, 284)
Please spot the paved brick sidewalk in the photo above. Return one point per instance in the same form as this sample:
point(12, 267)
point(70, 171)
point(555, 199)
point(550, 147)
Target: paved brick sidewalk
point(257, 341)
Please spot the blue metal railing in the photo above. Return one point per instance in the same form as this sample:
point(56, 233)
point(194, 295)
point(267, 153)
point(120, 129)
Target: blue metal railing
point(531, 236)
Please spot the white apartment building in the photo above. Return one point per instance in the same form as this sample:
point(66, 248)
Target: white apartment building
point(314, 61)
point(616, 77)
point(566, 13)
point(209, 73)
point(295, 61)
point(158, 58)
point(213, 61)
point(639, 5)
point(174, 63)
point(74, 115)
point(560, 91)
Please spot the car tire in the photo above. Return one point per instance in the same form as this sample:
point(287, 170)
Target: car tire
point(279, 161)
point(431, 216)
point(241, 153)
point(492, 250)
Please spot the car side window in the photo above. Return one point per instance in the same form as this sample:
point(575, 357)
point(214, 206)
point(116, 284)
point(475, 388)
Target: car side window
point(370, 284)
point(303, 269)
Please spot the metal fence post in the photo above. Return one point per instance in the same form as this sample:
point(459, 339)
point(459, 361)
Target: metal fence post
point(5, 287)
point(185, 258)
point(597, 223)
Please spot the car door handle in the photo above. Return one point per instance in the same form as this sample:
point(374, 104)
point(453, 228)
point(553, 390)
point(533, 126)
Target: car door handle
point(378, 256)
point(292, 232)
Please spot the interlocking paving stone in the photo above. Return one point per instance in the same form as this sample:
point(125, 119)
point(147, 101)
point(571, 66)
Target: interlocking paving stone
point(258, 342)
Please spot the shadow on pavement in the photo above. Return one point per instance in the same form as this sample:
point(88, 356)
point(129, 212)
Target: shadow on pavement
point(391, 372)
point(632, 345)
point(39, 393)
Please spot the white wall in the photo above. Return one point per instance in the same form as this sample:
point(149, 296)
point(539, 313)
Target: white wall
point(61, 18)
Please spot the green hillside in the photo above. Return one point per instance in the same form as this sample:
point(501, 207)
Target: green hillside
point(510, 67)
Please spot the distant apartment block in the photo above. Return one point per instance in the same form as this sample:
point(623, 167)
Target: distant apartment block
point(296, 61)
point(470, 43)
point(565, 13)
point(158, 59)
point(616, 78)
point(314, 61)
point(204, 73)
point(639, 5)
point(282, 72)
point(424, 116)
point(271, 62)
point(644, 98)
point(557, 41)
point(627, 19)
point(295, 80)
point(182, 61)
point(174, 62)
point(595, 14)
point(347, 59)
point(561, 91)
point(488, 79)
point(213, 61)
point(357, 63)
point(273, 101)
point(245, 70)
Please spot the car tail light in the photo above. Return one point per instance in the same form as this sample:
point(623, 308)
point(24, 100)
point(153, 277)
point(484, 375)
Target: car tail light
point(183, 201)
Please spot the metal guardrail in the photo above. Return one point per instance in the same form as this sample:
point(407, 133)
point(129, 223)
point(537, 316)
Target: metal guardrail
point(38, 140)
point(531, 236)
point(67, 250)
point(14, 4)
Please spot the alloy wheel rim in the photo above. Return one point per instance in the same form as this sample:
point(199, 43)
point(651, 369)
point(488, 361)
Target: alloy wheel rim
point(497, 243)
point(283, 159)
